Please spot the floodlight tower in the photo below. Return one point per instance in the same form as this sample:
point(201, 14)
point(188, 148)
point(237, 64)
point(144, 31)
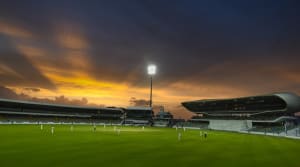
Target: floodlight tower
point(151, 72)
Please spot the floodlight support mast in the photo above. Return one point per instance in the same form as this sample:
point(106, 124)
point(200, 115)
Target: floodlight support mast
point(150, 103)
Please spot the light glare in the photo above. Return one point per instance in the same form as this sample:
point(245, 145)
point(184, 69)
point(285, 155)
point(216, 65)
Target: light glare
point(151, 69)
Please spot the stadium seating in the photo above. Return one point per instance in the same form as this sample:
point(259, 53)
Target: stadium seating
point(232, 125)
point(12, 111)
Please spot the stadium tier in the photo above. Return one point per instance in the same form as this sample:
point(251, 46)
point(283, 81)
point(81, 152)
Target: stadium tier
point(20, 111)
point(14, 111)
point(245, 112)
point(255, 107)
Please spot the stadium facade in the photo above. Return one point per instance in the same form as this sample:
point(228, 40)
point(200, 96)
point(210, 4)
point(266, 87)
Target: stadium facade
point(245, 113)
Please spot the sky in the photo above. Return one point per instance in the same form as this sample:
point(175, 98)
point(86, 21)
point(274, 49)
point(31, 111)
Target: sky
point(96, 52)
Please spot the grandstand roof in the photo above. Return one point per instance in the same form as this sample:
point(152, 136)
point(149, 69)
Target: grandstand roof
point(56, 105)
point(288, 102)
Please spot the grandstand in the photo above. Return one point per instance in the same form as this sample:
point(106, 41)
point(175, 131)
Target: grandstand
point(247, 113)
point(14, 111)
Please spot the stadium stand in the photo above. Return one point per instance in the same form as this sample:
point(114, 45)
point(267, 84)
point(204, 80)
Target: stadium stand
point(14, 111)
point(245, 113)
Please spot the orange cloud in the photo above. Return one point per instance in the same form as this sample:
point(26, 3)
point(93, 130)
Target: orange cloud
point(78, 59)
point(5, 70)
point(70, 36)
point(72, 41)
point(14, 31)
point(31, 52)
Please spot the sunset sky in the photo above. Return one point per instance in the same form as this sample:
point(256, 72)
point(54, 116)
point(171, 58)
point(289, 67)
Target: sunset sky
point(96, 52)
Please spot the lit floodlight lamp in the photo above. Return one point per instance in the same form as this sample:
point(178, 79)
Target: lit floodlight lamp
point(151, 69)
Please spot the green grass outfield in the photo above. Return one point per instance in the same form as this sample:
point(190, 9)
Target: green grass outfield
point(27, 145)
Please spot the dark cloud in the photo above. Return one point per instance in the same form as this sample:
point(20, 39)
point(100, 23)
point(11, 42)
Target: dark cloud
point(32, 89)
point(138, 102)
point(256, 77)
point(16, 69)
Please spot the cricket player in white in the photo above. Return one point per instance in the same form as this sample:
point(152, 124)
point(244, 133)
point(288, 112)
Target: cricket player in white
point(52, 130)
point(179, 136)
